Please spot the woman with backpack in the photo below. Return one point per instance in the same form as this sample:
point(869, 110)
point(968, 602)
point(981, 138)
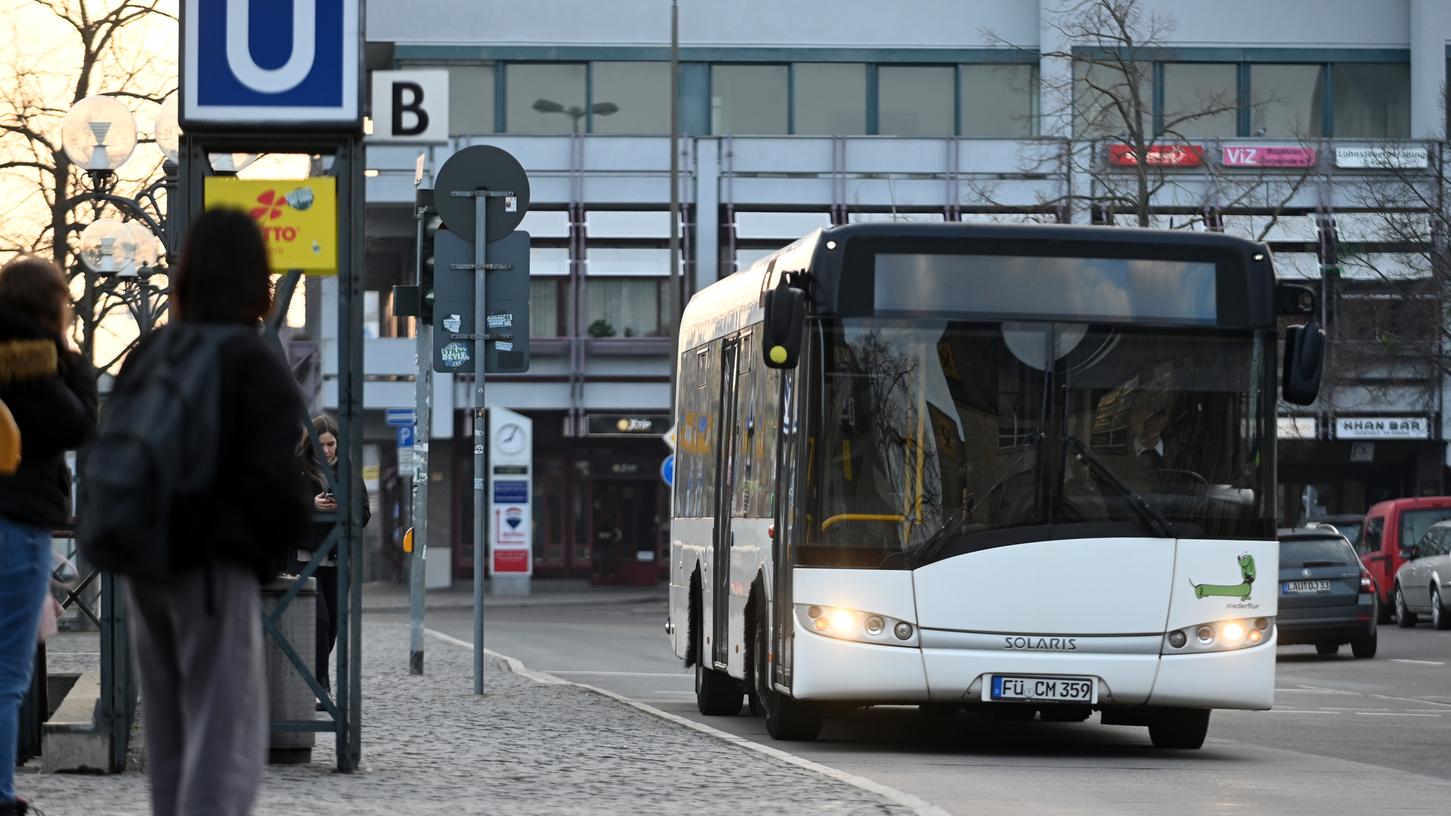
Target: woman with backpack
point(320, 479)
point(197, 628)
point(50, 391)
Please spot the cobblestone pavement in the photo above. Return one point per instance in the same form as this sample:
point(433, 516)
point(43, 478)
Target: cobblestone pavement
point(431, 747)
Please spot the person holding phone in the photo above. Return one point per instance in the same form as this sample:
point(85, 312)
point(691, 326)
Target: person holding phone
point(321, 478)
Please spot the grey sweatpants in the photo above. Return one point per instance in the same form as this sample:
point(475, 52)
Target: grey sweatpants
point(203, 690)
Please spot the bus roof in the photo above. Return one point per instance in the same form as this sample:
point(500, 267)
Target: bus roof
point(734, 302)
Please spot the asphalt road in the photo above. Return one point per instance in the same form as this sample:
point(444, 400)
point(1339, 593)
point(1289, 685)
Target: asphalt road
point(1345, 735)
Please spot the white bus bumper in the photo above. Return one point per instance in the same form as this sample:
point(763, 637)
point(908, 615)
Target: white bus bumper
point(826, 668)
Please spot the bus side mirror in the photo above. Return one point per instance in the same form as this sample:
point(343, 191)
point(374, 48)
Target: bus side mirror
point(1304, 362)
point(785, 316)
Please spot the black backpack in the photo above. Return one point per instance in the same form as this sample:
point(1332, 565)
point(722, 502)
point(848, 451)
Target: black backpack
point(159, 439)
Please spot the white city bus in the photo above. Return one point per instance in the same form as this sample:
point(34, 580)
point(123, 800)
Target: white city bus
point(1019, 469)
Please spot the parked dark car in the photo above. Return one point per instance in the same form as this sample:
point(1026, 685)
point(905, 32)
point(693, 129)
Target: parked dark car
point(1327, 597)
point(1423, 583)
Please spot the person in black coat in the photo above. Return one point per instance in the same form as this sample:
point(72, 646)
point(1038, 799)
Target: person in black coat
point(320, 479)
point(50, 391)
point(198, 632)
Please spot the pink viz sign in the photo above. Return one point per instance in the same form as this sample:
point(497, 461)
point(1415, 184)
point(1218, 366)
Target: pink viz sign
point(1268, 156)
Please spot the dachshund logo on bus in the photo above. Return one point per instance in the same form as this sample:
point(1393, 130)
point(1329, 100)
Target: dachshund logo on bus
point(1240, 590)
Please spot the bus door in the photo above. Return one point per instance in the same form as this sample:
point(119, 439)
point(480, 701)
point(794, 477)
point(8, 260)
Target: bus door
point(723, 539)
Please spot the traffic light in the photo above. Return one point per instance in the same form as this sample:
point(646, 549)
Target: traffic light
point(426, 266)
point(416, 300)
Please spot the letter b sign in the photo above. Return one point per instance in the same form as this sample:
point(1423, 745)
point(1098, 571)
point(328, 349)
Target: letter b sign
point(410, 106)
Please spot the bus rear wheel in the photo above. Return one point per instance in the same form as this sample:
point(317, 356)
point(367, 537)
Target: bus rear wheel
point(1182, 728)
point(786, 718)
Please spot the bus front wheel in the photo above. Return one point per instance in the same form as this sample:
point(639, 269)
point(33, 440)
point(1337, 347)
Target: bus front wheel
point(1183, 728)
point(786, 718)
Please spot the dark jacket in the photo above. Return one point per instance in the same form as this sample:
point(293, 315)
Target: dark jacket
point(254, 513)
point(52, 393)
point(323, 523)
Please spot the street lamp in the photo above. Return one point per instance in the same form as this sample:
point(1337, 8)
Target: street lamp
point(99, 135)
point(575, 112)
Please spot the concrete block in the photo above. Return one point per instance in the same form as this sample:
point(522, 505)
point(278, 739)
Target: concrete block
point(71, 741)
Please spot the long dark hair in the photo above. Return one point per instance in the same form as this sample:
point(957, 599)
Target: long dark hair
point(37, 287)
point(224, 275)
point(321, 424)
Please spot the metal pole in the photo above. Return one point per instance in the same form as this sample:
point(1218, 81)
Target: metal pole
point(677, 275)
point(423, 431)
point(481, 331)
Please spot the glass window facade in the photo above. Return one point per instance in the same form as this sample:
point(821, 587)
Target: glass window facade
point(916, 100)
point(544, 306)
point(829, 98)
point(1104, 101)
point(1372, 100)
point(470, 99)
point(998, 101)
point(1286, 101)
point(1201, 99)
point(640, 91)
point(623, 307)
point(559, 89)
point(749, 99)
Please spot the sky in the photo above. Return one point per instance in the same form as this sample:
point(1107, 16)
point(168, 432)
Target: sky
point(39, 59)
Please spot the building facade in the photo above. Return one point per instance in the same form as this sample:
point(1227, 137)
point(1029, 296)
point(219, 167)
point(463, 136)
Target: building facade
point(1315, 125)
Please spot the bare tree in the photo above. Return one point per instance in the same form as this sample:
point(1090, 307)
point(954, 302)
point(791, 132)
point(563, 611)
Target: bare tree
point(1389, 286)
point(97, 47)
point(1133, 159)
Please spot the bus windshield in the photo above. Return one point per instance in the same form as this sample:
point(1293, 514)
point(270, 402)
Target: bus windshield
point(942, 437)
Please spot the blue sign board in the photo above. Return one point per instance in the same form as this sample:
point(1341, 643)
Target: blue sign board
point(270, 62)
point(513, 491)
point(401, 416)
point(405, 436)
point(667, 471)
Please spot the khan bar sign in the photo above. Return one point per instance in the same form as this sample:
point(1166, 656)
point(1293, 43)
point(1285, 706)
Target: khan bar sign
point(1123, 155)
point(1267, 156)
point(1382, 428)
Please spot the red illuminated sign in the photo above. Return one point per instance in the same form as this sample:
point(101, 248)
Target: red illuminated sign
point(1123, 155)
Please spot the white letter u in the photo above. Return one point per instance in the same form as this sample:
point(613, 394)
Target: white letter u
point(299, 63)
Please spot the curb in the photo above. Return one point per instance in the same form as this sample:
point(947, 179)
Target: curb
point(914, 803)
point(517, 603)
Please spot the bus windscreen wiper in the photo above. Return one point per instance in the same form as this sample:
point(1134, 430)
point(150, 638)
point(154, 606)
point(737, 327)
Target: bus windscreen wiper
point(1142, 508)
point(927, 549)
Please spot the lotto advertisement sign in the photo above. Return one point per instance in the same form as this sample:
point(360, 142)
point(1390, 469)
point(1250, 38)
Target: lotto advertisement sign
point(298, 217)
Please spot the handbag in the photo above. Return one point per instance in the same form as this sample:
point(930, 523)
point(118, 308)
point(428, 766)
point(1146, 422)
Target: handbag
point(9, 442)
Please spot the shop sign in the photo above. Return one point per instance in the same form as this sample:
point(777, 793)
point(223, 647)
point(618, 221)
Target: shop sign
point(298, 218)
point(627, 424)
point(1381, 157)
point(1267, 156)
point(1123, 155)
point(1295, 427)
point(1382, 428)
point(1362, 451)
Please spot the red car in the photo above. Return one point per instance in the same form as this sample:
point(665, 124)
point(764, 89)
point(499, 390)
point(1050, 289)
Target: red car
point(1390, 527)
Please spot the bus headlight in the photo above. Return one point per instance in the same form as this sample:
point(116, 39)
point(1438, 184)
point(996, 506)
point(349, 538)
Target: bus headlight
point(851, 624)
point(1218, 636)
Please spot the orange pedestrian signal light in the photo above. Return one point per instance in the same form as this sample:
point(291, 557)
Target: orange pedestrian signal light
point(408, 541)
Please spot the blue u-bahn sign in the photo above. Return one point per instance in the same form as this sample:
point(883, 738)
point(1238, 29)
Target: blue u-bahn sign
point(285, 63)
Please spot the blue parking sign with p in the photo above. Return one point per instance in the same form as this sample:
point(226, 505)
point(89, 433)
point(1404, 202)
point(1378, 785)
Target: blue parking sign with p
point(270, 62)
